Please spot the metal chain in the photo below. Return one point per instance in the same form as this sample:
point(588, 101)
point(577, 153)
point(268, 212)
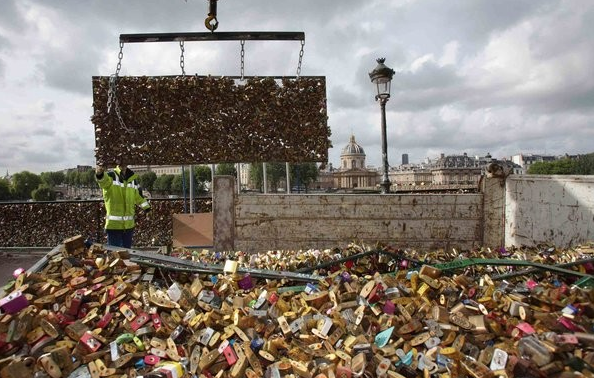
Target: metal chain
point(181, 58)
point(300, 58)
point(112, 98)
point(242, 59)
point(120, 56)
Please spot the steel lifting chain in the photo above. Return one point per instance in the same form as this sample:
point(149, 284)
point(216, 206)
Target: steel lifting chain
point(242, 59)
point(112, 97)
point(181, 58)
point(300, 58)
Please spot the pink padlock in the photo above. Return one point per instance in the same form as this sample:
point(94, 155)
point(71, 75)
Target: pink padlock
point(14, 302)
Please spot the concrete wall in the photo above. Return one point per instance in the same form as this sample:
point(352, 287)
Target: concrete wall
point(549, 209)
point(522, 210)
point(265, 222)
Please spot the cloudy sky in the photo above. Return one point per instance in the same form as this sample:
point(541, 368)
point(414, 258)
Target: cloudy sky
point(475, 76)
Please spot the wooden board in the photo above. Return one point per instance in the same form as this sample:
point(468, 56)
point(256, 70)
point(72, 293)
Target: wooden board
point(192, 230)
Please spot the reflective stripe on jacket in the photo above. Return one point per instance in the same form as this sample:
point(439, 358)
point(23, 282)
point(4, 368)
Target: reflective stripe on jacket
point(121, 195)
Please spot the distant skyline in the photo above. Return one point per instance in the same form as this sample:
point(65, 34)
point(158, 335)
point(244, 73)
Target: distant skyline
point(476, 76)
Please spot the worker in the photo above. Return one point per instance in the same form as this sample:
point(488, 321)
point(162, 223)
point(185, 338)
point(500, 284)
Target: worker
point(121, 194)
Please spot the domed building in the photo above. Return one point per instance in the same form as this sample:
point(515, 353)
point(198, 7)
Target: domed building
point(353, 172)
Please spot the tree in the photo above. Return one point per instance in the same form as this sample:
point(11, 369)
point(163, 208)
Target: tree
point(275, 173)
point(4, 190)
point(226, 169)
point(23, 184)
point(147, 180)
point(585, 164)
point(558, 167)
point(44, 193)
point(203, 174)
point(303, 174)
point(87, 178)
point(177, 185)
point(53, 179)
point(72, 178)
point(163, 183)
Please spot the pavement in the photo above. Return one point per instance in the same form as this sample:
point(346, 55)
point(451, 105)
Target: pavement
point(14, 259)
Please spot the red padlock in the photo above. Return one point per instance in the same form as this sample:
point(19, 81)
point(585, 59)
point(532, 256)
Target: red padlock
point(156, 321)
point(89, 341)
point(139, 321)
point(75, 302)
point(104, 321)
point(273, 298)
point(376, 294)
point(230, 355)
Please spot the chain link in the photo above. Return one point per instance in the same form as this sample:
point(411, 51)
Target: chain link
point(242, 59)
point(181, 58)
point(120, 57)
point(300, 58)
point(112, 98)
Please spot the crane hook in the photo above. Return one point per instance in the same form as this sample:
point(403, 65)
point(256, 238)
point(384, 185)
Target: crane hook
point(211, 21)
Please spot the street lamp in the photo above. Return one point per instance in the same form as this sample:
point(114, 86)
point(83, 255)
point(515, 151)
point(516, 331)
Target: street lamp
point(381, 76)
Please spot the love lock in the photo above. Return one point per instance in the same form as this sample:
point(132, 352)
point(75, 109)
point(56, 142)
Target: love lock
point(19, 368)
point(423, 362)
point(405, 358)
point(382, 338)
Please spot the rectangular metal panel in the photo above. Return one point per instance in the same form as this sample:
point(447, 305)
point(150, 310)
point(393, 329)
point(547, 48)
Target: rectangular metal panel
point(196, 119)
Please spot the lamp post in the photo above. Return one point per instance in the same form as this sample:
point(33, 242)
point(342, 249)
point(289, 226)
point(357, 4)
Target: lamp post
point(381, 76)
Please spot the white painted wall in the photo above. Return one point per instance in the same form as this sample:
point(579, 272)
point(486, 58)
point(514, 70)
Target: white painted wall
point(557, 210)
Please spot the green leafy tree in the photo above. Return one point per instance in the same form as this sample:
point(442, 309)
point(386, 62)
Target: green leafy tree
point(44, 193)
point(255, 175)
point(203, 173)
point(163, 184)
point(147, 180)
point(53, 179)
point(226, 169)
point(72, 178)
point(275, 173)
point(87, 178)
point(177, 185)
point(585, 164)
point(303, 174)
point(558, 167)
point(4, 190)
point(23, 184)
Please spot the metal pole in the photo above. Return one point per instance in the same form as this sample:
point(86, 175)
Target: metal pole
point(287, 172)
point(385, 184)
point(184, 188)
point(212, 174)
point(191, 189)
point(265, 178)
point(238, 169)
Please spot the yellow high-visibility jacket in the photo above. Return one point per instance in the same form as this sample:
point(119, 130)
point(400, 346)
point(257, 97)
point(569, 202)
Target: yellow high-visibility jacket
point(121, 193)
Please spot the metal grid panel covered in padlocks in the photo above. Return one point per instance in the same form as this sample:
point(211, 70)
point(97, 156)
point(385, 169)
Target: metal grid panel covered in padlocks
point(197, 119)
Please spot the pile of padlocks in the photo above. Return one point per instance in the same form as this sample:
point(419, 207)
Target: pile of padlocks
point(356, 312)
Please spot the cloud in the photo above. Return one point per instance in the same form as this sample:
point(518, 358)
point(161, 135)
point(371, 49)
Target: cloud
point(473, 76)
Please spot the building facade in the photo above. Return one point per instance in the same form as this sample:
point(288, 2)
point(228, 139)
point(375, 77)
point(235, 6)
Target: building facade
point(353, 172)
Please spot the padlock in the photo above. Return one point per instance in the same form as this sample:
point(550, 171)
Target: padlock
point(49, 365)
point(18, 368)
point(14, 302)
point(230, 355)
point(141, 319)
point(89, 342)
